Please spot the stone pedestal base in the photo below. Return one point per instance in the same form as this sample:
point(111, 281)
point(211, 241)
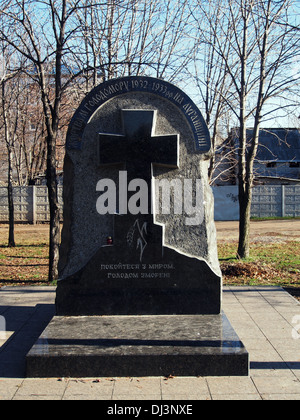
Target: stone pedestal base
point(116, 346)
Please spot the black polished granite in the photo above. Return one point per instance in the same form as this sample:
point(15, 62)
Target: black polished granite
point(179, 345)
point(138, 274)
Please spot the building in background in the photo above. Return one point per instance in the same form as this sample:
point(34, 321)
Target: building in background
point(277, 160)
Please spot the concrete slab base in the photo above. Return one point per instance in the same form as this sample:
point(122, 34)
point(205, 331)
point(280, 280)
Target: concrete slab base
point(178, 345)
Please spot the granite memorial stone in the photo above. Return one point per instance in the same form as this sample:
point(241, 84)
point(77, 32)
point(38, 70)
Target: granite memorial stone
point(139, 291)
point(129, 140)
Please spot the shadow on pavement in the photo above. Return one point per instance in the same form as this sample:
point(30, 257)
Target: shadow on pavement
point(24, 324)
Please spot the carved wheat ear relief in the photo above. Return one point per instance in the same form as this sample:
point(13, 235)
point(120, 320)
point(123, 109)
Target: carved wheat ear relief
point(141, 242)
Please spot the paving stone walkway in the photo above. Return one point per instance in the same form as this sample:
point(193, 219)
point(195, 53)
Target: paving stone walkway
point(267, 319)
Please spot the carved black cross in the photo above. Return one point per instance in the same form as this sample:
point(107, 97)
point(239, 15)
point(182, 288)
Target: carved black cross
point(138, 148)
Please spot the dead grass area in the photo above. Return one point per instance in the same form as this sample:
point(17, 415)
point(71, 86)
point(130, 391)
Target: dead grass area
point(27, 263)
point(274, 260)
point(272, 263)
point(258, 273)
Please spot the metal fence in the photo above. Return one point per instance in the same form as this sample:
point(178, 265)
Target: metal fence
point(31, 203)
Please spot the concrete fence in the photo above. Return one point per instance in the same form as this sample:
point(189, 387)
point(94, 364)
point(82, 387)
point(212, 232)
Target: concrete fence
point(31, 203)
point(268, 201)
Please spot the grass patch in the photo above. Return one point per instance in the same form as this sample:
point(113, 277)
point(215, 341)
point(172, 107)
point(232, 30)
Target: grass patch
point(24, 265)
point(276, 262)
point(269, 264)
point(27, 263)
point(262, 219)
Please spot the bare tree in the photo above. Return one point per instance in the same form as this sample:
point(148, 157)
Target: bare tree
point(120, 37)
point(210, 73)
point(9, 114)
point(9, 140)
point(275, 46)
point(258, 54)
point(124, 38)
point(39, 32)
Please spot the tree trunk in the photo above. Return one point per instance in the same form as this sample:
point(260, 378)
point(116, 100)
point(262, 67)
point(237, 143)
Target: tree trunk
point(8, 141)
point(245, 199)
point(11, 234)
point(244, 185)
point(54, 234)
point(246, 167)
